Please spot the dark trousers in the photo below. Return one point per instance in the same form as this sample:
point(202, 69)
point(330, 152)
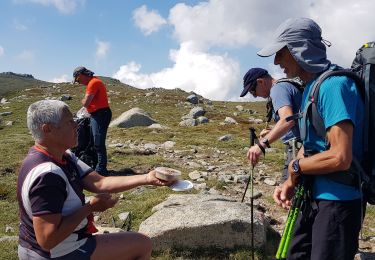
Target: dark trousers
point(327, 230)
point(99, 123)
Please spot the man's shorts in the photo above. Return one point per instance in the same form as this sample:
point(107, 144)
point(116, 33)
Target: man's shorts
point(82, 253)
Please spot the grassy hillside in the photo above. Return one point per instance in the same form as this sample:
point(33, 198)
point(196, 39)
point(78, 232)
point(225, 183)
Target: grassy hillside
point(166, 107)
point(16, 82)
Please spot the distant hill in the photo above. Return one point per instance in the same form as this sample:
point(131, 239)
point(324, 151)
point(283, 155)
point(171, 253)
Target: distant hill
point(10, 81)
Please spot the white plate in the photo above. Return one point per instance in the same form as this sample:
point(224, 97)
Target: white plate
point(182, 185)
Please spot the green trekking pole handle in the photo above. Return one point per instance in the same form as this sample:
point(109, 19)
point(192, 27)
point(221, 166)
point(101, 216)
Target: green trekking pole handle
point(290, 223)
point(283, 237)
point(293, 220)
point(284, 243)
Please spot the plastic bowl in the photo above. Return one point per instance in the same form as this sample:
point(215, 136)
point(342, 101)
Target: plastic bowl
point(167, 174)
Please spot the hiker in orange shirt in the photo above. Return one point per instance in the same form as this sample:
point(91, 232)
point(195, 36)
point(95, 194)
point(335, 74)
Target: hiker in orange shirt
point(96, 103)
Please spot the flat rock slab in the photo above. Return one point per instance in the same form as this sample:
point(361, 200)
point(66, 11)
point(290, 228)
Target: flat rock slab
point(200, 221)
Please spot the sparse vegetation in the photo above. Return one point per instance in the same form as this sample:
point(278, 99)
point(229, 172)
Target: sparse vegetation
point(166, 107)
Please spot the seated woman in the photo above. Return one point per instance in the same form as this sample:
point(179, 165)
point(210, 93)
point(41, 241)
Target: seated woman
point(55, 220)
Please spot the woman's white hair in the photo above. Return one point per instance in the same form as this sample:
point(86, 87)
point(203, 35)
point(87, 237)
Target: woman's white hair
point(44, 112)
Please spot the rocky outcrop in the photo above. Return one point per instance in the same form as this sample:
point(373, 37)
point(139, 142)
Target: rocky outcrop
point(202, 221)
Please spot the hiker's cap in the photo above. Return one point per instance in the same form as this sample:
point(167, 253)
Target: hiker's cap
point(81, 70)
point(250, 77)
point(303, 38)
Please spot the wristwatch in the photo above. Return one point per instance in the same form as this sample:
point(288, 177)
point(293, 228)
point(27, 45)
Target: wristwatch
point(296, 168)
point(266, 143)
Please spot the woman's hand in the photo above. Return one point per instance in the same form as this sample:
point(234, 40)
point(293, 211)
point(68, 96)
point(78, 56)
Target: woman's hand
point(102, 202)
point(152, 180)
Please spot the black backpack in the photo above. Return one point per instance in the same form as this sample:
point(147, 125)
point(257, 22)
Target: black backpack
point(297, 82)
point(85, 150)
point(362, 71)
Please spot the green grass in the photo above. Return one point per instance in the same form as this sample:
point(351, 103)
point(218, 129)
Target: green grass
point(8, 250)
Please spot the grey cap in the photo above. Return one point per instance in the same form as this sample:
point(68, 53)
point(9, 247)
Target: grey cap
point(81, 70)
point(303, 38)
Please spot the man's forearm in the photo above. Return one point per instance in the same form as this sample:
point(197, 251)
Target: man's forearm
point(280, 129)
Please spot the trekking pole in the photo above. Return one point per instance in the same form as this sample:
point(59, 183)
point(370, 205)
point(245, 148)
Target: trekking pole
point(292, 214)
point(290, 223)
point(253, 137)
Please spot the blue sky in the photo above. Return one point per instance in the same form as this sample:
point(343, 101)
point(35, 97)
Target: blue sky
point(200, 46)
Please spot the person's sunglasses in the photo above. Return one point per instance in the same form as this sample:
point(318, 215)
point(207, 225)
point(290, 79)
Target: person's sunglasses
point(253, 89)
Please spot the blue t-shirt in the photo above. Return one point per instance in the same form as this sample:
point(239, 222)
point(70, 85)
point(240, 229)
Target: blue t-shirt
point(286, 94)
point(338, 100)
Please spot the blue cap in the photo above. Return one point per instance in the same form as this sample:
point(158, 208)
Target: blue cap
point(250, 77)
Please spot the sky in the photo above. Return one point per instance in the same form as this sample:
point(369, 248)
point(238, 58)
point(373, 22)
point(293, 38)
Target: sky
point(200, 46)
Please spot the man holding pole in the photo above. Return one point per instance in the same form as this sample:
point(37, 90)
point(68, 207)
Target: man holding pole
point(286, 97)
point(329, 222)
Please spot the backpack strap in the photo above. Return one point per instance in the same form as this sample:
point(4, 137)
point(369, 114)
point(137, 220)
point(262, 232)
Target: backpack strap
point(297, 82)
point(366, 77)
point(270, 112)
point(311, 111)
point(311, 114)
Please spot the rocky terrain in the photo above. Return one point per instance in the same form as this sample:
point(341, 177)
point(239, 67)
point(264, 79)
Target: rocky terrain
point(206, 140)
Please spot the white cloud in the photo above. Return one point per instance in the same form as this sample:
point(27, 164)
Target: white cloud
point(130, 75)
point(347, 24)
point(204, 31)
point(209, 75)
point(64, 6)
point(1, 51)
point(26, 56)
point(210, 24)
point(102, 49)
point(148, 21)
point(60, 79)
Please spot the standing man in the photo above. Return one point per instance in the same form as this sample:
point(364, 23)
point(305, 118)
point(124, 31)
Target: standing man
point(96, 103)
point(286, 101)
point(329, 224)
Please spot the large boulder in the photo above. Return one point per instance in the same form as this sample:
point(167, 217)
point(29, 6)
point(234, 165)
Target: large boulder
point(133, 117)
point(202, 221)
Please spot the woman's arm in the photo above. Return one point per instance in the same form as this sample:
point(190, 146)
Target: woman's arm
point(52, 229)
point(94, 182)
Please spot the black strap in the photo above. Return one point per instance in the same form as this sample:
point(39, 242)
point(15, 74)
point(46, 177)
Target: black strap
point(262, 148)
point(316, 120)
